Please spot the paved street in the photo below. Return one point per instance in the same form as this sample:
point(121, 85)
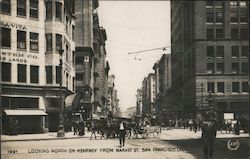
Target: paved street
point(172, 144)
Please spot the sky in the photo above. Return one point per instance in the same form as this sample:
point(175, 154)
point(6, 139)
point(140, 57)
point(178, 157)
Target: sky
point(134, 26)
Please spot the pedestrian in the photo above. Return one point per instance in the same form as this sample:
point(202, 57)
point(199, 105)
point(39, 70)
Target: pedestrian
point(237, 128)
point(93, 129)
point(75, 126)
point(81, 127)
point(122, 133)
point(208, 137)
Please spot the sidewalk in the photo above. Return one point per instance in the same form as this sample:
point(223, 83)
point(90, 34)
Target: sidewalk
point(167, 134)
point(44, 136)
point(182, 134)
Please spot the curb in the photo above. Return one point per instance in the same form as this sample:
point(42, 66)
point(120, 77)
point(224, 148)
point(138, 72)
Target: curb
point(39, 139)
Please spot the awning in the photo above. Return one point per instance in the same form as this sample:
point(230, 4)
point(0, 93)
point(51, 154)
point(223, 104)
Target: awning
point(28, 112)
point(69, 100)
point(98, 109)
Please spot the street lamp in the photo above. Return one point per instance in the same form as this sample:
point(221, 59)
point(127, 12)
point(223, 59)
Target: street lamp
point(60, 132)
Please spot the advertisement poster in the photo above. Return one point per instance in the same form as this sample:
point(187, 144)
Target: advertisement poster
point(132, 79)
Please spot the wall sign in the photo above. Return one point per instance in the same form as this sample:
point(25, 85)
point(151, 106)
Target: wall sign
point(19, 57)
point(13, 25)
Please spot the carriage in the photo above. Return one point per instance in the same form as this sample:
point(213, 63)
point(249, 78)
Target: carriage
point(143, 131)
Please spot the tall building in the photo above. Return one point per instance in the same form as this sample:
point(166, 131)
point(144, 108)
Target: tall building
point(148, 96)
point(139, 102)
point(113, 101)
point(33, 32)
point(91, 66)
point(210, 53)
point(162, 84)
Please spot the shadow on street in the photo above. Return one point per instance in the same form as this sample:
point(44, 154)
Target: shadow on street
point(195, 147)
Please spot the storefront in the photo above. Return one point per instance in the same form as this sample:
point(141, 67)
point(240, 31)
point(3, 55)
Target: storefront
point(23, 121)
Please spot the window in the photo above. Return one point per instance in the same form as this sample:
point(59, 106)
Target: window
point(235, 51)
point(48, 74)
point(48, 10)
point(244, 33)
point(233, 3)
point(34, 9)
point(209, 17)
point(73, 84)
point(244, 68)
point(210, 33)
point(34, 41)
point(220, 68)
point(220, 87)
point(73, 32)
point(58, 74)
point(67, 80)
point(79, 78)
point(48, 42)
point(243, 15)
point(34, 74)
point(219, 33)
point(234, 16)
point(209, 3)
point(67, 53)
point(210, 68)
point(244, 51)
point(21, 77)
point(21, 39)
point(210, 87)
point(220, 52)
point(218, 3)
point(21, 7)
point(219, 16)
point(235, 68)
point(5, 37)
point(235, 87)
point(58, 10)
point(73, 58)
point(5, 6)
point(210, 52)
point(243, 3)
point(245, 87)
point(6, 72)
point(58, 42)
point(235, 33)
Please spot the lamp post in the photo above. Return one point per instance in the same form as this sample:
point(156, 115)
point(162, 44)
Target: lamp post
point(60, 131)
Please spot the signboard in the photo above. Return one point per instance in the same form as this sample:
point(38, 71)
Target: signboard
point(228, 116)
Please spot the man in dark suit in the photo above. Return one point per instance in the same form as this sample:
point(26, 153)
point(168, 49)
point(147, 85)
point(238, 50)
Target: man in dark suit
point(209, 136)
point(122, 133)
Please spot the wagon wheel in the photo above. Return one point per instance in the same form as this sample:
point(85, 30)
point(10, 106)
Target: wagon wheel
point(128, 134)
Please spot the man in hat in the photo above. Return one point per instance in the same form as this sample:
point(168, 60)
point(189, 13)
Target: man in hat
point(209, 134)
point(122, 133)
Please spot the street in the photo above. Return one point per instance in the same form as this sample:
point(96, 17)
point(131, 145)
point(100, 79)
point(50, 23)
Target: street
point(172, 144)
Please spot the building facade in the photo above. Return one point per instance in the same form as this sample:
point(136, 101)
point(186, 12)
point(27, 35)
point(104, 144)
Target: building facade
point(210, 54)
point(32, 35)
point(162, 84)
point(148, 96)
point(113, 101)
point(91, 65)
point(139, 102)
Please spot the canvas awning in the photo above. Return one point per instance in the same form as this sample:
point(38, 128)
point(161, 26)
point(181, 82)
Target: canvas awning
point(69, 100)
point(26, 112)
point(98, 109)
